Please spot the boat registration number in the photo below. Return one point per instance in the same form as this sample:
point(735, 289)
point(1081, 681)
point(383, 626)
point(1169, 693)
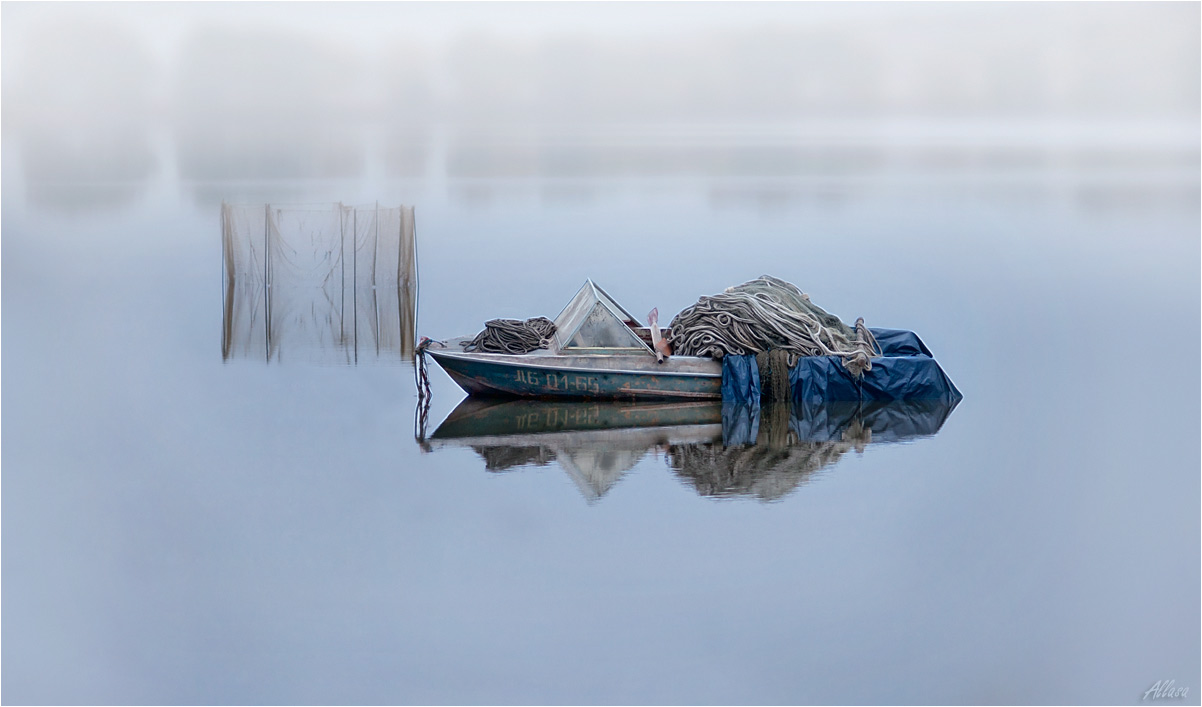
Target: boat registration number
point(560, 381)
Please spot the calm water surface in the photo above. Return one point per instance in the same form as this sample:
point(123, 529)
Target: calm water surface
point(179, 528)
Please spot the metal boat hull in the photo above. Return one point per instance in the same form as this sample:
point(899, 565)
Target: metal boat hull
point(588, 377)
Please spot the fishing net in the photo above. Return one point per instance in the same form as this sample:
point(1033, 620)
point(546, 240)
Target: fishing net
point(512, 336)
point(774, 375)
point(325, 283)
point(766, 314)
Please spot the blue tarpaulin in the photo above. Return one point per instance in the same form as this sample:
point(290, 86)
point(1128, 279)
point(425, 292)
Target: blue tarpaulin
point(740, 380)
point(905, 371)
point(894, 421)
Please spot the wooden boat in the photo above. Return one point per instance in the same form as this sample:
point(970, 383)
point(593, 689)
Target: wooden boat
point(599, 350)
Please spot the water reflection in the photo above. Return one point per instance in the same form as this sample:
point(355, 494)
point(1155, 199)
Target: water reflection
point(768, 452)
point(719, 451)
point(596, 443)
point(326, 283)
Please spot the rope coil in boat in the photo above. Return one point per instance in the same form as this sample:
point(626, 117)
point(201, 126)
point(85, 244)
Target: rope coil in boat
point(512, 336)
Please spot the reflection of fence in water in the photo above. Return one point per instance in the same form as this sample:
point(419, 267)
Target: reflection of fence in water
point(326, 283)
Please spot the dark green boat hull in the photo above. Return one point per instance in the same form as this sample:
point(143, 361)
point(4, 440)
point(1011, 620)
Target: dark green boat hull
point(525, 378)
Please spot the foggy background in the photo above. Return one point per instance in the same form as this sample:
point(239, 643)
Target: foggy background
point(118, 93)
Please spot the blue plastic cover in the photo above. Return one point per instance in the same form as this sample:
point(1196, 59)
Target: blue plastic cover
point(905, 371)
point(740, 380)
point(896, 421)
point(900, 342)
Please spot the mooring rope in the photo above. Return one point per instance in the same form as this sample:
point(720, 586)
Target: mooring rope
point(421, 379)
point(512, 336)
point(765, 314)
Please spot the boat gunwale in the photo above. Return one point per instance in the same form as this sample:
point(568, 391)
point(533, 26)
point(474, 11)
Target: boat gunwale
point(526, 363)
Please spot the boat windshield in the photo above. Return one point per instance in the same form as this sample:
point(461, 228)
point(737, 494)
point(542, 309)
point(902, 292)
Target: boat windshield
point(593, 323)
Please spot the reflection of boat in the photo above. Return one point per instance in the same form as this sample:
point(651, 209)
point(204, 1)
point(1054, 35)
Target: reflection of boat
point(892, 421)
point(596, 442)
point(769, 451)
point(598, 351)
point(730, 450)
point(494, 417)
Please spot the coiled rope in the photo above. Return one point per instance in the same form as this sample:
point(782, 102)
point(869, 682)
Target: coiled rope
point(512, 336)
point(765, 314)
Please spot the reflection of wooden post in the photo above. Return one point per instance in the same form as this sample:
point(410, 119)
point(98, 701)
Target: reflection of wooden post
point(266, 285)
point(375, 303)
point(227, 276)
point(355, 277)
point(342, 267)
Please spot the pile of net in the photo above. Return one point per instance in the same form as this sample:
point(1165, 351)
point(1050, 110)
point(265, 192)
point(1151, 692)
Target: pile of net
point(512, 336)
point(767, 314)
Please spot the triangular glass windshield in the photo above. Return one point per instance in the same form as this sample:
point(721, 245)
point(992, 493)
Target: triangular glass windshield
point(594, 323)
